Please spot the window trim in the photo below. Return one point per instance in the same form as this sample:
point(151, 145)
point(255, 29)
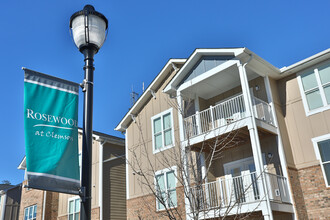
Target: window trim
point(315, 141)
point(28, 208)
point(172, 131)
point(73, 199)
point(325, 106)
point(164, 171)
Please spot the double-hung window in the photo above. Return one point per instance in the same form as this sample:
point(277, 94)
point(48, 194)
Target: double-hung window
point(163, 132)
point(165, 182)
point(74, 208)
point(30, 213)
point(315, 89)
point(322, 151)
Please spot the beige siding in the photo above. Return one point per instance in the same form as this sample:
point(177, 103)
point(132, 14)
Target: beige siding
point(114, 189)
point(300, 128)
point(140, 134)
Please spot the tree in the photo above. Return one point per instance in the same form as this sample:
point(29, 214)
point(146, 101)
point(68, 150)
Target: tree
point(185, 163)
point(5, 182)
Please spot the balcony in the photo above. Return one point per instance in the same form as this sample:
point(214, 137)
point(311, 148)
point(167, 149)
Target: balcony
point(226, 194)
point(224, 114)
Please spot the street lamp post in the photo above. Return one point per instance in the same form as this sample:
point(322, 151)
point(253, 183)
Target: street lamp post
point(89, 29)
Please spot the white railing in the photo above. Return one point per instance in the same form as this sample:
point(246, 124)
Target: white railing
point(223, 114)
point(238, 190)
point(277, 188)
point(263, 110)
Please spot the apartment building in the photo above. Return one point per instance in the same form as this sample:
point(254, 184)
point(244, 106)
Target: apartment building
point(108, 186)
point(225, 133)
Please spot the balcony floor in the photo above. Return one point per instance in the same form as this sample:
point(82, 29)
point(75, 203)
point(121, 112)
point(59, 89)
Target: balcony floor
point(228, 140)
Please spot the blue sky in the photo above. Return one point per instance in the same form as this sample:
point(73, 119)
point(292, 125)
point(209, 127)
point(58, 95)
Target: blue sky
point(143, 35)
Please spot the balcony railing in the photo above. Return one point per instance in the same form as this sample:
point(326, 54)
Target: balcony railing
point(224, 113)
point(229, 192)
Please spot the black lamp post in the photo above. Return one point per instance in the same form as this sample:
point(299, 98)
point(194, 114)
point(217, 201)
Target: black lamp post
point(89, 29)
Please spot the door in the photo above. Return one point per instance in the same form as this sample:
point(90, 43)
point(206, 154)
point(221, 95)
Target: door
point(241, 181)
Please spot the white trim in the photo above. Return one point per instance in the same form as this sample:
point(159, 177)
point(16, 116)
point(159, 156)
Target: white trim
point(44, 205)
point(3, 208)
point(49, 86)
point(318, 156)
point(325, 106)
point(279, 136)
point(28, 208)
point(164, 171)
point(101, 178)
point(126, 153)
point(74, 206)
point(160, 115)
point(54, 176)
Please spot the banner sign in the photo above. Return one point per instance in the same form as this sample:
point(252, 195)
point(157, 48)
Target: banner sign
point(51, 132)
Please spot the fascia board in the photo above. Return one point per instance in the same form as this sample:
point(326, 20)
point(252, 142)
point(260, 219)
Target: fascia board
point(262, 65)
point(194, 57)
point(122, 125)
point(305, 63)
point(22, 165)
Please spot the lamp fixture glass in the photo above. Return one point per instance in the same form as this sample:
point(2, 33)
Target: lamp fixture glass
point(89, 28)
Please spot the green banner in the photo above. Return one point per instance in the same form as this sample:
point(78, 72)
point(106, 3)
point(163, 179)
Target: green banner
point(51, 132)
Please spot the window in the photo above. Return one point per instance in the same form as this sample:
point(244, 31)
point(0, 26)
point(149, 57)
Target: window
point(162, 129)
point(30, 213)
point(165, 181)
point(322, 151)
point(315, 89)
point(74, 208)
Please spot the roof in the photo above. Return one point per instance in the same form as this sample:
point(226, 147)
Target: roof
point(122, 125)
point(305, 63)
point(5, 186)
point(241, 53)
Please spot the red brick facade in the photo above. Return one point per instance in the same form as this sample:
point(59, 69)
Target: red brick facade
point(311, 196)
point(145, 207)
point(32, 197)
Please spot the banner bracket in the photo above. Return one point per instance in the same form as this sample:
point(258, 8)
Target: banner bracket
point(82, 193)
point(83, 84)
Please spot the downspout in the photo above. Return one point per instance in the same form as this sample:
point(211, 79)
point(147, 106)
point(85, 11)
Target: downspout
point(256, 137)
point(101, 178)
point(44, 205)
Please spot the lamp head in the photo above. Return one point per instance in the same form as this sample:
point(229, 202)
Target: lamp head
point(89, 29)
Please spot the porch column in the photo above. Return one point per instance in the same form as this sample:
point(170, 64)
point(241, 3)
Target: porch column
point(255, 143)
point(184, 159)
point(279, 139)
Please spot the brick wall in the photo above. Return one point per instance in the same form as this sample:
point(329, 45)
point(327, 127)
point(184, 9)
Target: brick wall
point(29, 198)
point(32, 197)
point(311, 196)
point(145, 207)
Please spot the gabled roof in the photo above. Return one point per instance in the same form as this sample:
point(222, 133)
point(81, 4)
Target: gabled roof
point(239, 53)
point(147, 94)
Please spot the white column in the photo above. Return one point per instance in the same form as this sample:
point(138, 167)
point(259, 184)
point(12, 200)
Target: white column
point(184, 159)
point(255, 143)
point(279, 139)
point(3, 209)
